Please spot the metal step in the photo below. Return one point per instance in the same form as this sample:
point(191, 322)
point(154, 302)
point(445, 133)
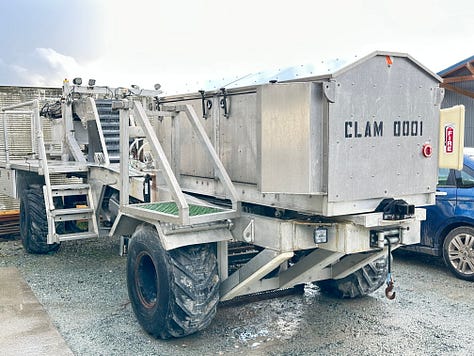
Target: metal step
point(112, 147)
point(110, 132)
point(72, 214)
point(77, 236)
point(112, 140)
point(62, 190)
point(114, 158)
point(67, 167)
point(110, 124)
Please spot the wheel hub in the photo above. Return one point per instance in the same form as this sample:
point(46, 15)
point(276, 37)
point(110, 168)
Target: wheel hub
point(461, 253)
point(146, 280)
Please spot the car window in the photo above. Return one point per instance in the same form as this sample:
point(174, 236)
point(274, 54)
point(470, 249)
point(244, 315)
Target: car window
point(466, 179)
point(446, 178)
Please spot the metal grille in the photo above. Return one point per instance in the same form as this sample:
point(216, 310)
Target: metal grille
point(19, 127)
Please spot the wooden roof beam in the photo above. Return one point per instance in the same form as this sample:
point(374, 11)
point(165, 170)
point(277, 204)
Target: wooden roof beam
point(464, 78)
point(470, 67)
point(457, 90)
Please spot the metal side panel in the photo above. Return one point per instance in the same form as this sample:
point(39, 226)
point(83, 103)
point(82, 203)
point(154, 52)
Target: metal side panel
point(194, 159)
point(291, 134)
point(238, 138)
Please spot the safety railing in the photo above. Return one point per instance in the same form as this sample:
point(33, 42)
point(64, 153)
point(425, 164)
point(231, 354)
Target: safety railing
point(178, 210)
point(37, 139)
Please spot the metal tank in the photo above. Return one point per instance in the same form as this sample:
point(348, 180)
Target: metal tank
point(333, 144)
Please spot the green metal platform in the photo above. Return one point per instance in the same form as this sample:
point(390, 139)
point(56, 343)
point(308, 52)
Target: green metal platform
point(172, 209)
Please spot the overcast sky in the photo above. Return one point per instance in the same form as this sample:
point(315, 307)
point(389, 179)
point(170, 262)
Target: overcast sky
point(182, 44)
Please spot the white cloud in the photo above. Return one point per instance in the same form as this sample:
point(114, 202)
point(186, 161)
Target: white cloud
point(59, 62)
point(42, 67)
point(183, 44)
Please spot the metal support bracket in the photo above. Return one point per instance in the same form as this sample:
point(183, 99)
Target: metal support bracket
point(249, 232)
point(352, 263)
point(329, 89)
point(258, 267)
point(306, 270)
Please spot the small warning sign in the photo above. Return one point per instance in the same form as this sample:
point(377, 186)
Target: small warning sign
point(449, 138)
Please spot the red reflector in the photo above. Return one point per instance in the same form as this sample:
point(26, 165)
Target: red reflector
point(427, 150)
point(389, 60)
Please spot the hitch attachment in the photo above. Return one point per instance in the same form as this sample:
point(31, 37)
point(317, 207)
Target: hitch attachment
point(389, 293)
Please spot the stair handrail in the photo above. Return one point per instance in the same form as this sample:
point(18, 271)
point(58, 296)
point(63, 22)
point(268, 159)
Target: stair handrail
point(218, 165)
point(155, 145)
point(95, 112)
point(42, 157)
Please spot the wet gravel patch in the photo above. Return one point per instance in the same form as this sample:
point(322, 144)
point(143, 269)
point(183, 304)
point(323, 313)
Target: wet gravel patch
point(83, 288)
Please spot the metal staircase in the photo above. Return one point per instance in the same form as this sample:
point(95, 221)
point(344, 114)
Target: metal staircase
point(60, 216)
point(110, 122)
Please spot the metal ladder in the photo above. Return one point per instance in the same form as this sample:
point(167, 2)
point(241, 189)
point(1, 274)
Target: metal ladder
point(79, 214)
point(54, 193)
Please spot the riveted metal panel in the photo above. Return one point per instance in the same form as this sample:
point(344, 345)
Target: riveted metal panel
point(382, 116)
point(238, 138)
point(181, 145)
point(195, 160)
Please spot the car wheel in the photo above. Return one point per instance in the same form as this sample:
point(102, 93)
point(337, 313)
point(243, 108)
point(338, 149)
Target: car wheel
point(458, 252)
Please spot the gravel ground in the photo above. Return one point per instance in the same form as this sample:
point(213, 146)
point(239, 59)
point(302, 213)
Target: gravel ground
point(83, 289)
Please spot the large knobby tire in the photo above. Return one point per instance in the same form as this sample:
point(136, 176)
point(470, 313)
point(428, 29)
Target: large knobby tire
point(33, 222)
point(458, 252)
point(358, 284)
point(173, 293)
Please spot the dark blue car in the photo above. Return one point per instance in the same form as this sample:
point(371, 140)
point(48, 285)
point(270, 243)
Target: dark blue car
point(449, 227)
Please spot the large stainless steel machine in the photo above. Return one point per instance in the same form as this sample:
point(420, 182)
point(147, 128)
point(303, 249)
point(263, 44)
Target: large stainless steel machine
point(237, 191)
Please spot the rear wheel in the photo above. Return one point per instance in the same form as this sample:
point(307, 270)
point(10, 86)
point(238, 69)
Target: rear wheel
point(358, 284)
point(33, 222)
point(458, 252)
point(173, 293)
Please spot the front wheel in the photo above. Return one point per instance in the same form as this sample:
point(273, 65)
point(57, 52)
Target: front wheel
point(358, 284)
point(458, 252)
point(173, 293)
